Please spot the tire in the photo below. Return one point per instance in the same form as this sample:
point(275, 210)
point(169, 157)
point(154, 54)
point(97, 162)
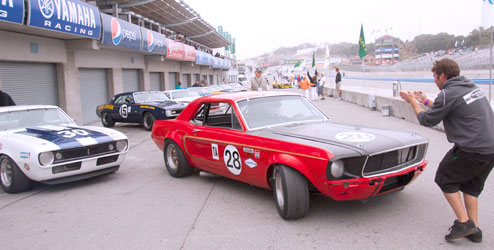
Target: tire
point(148, 121)
point(12, 179)
point(291, 192)
point(106, 120)
point(175, 161)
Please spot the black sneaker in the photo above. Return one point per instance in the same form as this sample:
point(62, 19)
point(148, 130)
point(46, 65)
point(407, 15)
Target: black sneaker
point(476, 237)
point(459, 230)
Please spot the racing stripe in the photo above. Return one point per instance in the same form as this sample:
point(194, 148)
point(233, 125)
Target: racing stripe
point(67, 137)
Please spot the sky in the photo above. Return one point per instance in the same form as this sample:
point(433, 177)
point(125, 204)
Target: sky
point(261, 26)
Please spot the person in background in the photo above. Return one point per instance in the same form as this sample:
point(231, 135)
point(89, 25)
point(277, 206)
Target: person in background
point(304, 85)
point(196, 84)
point(468, 123)
point(178, 86)
point(320, 87)
point(313, 85)
point(338, 83)
point(258, 83)
point(5, 99)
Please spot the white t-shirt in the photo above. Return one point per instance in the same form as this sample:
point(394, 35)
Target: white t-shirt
point(322, 81)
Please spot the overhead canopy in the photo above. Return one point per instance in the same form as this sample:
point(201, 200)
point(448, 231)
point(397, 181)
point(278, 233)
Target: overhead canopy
point(177, 16)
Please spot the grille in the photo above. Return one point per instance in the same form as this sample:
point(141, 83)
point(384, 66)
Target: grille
point(389, 160)
point(85, 152)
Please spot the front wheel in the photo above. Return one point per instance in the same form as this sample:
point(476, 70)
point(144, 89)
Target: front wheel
point(148, 121)
point(106, 120)
point(13, 180)
point(291, 193)
point(175, 161)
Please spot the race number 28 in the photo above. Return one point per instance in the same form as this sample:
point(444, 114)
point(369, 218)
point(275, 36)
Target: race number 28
point(232, 160)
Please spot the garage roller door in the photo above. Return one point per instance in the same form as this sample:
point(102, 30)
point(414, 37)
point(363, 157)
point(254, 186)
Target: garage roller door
point(155, 81)
point(130, 78)
point(30, 83)
point(94, 92)
point(172, 80)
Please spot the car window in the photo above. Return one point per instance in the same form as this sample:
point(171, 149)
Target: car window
point(274, 110)
point(168, 95)
point(32, 118)
point(124, 99)
point(218, 114)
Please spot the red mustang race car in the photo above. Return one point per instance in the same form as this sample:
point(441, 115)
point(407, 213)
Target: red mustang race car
point(281, 141)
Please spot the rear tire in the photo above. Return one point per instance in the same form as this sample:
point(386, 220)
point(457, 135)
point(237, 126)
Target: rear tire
point(291, 192)
point(106, 120)
point(148, 121)
point(12, 179)
point(175, 161)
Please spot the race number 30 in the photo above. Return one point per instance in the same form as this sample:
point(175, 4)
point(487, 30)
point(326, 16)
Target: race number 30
point(232, 160)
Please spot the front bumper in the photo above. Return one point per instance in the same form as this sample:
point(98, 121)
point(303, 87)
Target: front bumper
point(369, 187)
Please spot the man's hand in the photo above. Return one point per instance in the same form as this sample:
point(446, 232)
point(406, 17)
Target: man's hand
point(420, 96)
point(408, 97)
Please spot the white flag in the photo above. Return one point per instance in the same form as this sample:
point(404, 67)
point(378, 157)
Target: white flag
point(487, 13)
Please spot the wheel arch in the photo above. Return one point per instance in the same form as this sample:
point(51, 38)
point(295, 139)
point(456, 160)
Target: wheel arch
point(290, 161)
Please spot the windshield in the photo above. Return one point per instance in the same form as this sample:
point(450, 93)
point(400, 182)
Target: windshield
point(215, 88)
point(201, 90)
point(153, 96)
point(184, 94)
point(273, 110)
point(32, 118)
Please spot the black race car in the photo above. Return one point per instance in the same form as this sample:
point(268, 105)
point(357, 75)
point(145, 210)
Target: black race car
point(142, 107)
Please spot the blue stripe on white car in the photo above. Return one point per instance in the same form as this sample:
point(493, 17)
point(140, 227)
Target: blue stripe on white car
point(67, 137)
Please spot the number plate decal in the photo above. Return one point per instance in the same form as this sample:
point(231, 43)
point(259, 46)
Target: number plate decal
point(355, 136)
point(214, 150)
point(232, 159)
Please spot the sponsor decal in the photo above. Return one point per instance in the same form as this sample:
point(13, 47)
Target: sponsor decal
point(474, 95)
point(232, 159)
point(67, 16)
point(26, 166)
point(25, 155)
point(251, 163)
point(147, 107)
point(355, 136)
point(116, 31)
point(248, 150)
point(67, 137)
point(105, 106)
point(214, 150)
point(12, 11)
point(150, 41)
point(257, 154)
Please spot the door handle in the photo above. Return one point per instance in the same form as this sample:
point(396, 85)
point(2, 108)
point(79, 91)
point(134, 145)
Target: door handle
point(195, 130)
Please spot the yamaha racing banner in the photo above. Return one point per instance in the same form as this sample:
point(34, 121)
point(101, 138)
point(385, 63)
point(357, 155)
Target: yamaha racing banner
point(12, 11)
point(153, 42)
point(117, 32)
point(175, 50)
point(67, 16)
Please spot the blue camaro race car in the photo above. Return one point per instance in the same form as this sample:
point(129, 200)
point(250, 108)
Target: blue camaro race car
point(142, 107)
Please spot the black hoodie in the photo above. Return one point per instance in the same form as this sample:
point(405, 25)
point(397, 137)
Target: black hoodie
point(466, 114)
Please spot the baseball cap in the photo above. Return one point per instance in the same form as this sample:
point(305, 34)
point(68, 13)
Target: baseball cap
point(258, 70)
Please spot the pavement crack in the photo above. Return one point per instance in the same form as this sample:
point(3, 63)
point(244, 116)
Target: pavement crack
point(23, 198)
point(198, 214)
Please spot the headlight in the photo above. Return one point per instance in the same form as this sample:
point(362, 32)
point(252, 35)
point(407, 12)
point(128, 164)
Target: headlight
point(111, 147)
point(121, 145)
point(337, 169)
point(58, 156)
point(168, 113)
point(46, 158)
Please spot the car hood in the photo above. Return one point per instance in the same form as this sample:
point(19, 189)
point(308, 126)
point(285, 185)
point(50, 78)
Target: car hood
point(166, 104)
point(343, 139)
point(57, 137)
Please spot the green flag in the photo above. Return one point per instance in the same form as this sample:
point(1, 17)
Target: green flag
point(313, 60)
point(297, 64)
point(362, 51)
